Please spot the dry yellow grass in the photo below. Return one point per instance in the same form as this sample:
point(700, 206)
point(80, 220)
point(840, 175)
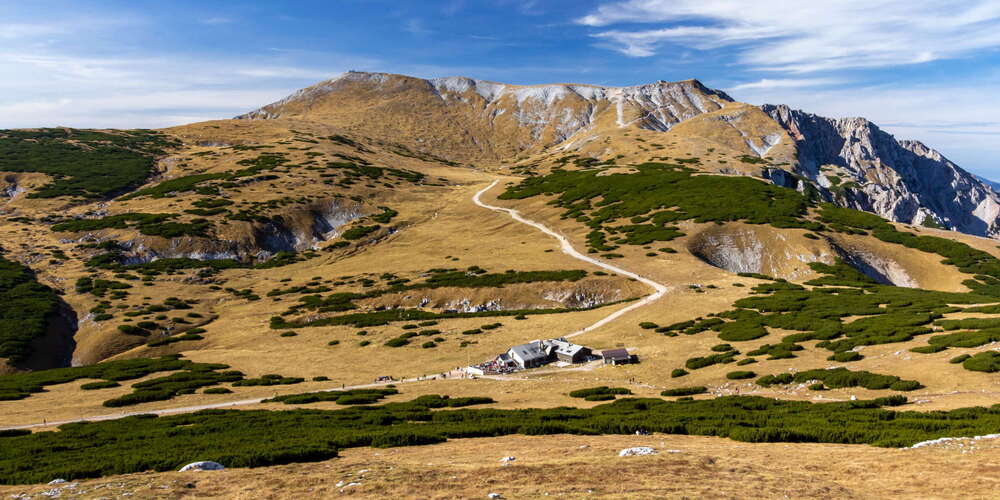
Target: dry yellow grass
point(454, 227)
point(439, 224)
point(585, 467)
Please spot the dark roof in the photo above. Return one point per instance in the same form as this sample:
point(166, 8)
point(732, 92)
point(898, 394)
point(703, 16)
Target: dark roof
point(615, 354)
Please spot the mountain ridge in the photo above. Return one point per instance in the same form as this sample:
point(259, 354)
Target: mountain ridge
point(850, 161)
point(481, 121)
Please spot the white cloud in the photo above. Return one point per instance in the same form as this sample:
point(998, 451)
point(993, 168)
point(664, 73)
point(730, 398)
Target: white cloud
point(152, 109)
point(218, 20)
point(416, 26)
point(795, 36)
point(785, 83)
point(46, 89)
point(59, 72)
point(21, 30)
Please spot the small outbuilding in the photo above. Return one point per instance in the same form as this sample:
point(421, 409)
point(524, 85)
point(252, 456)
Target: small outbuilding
point(616, 357)
point(571, 353)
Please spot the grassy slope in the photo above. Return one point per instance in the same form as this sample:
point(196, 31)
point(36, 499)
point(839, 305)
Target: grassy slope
point(443, 226)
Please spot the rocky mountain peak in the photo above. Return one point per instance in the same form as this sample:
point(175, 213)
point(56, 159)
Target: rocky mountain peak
point(862, 166)
point(476, 120)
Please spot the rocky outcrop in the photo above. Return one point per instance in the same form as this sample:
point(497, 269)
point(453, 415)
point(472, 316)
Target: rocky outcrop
point(295, 230)
point(583, 294)
point(762, 249)
point(858, 165)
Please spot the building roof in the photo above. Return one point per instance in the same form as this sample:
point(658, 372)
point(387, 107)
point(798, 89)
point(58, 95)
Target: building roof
point(615, 354)
point(569, 349)
point(528, 351)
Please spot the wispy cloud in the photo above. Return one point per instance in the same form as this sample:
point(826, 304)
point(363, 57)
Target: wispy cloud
point(61, 72)
point(416, 26)
point(47, 89)
point(218, 20)
point(790, 36)
point(786, 83)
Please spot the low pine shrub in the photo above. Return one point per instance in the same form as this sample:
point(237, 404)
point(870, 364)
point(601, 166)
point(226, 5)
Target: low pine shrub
point(988, 361)
point(583, 393)
point(104, 384)
point(685, 391)
point(257, 438)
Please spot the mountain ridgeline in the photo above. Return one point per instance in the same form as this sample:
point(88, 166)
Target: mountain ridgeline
point(848, 161)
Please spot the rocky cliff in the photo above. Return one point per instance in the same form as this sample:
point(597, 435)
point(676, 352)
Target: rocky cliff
point(858, 165)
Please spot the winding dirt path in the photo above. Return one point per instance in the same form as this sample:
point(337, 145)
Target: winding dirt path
point(567, 248)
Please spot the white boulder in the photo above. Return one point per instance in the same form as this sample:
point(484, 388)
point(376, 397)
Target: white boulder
point(637, 451)
point(202, 466)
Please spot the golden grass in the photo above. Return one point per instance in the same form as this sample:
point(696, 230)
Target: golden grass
point(587, 466)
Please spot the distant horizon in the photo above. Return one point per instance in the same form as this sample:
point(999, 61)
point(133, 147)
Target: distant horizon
point(921, 70)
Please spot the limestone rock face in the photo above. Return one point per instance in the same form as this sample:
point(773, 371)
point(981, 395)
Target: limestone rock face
point(858, 165)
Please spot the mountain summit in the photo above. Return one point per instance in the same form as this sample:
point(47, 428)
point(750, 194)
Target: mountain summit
point(478, 120)
point(849, 160)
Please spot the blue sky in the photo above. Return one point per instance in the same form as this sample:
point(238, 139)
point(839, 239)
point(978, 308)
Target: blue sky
point(926, 70)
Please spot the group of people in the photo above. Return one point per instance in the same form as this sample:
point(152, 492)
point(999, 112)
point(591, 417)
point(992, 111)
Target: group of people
point(497, 367)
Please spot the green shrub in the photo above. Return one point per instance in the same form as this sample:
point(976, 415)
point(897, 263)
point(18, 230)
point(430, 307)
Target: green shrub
point(685, 391)
point(740, 375)
point(599, 397)
point(836, 378)
point(22, 385)
point(148, 224)
point(960, 358)
point(845, 356)
point(82, 163)
point(27, 309)
point(906, 385)
point(701, 362)
point(217, 390)
point(257, 438)
point(583, 393)
point(268, 380)
point(928, 349)
point(659, 194)
point(988, 361)
point(164, 388)
point(104, 384)
point(358, 232)
point(349, 397)
point(678, 372)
